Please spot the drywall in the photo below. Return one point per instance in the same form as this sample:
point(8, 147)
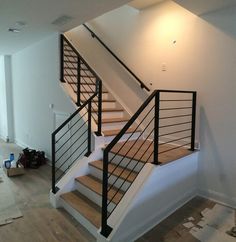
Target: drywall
point(35, 75)
point(174, 49)
point(155, 198)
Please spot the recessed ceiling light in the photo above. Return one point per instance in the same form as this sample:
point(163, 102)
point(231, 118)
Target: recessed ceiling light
point(14, 30)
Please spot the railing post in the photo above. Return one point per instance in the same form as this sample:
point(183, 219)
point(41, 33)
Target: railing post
point(62, 58)
point(53, 165)
point(78, 81)
point(156, 127)
point(194, 103)
point(89, 127)
point(99, 121)
point(105, 228)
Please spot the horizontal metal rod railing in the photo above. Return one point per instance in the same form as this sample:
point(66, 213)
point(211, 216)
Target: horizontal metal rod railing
point(137, 149)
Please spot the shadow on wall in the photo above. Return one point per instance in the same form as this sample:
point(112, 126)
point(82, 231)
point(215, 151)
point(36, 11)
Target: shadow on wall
point(224, 19)
point(120, 71)
point(210, 155)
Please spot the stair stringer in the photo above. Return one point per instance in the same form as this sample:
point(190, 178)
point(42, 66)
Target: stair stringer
point(152, 197)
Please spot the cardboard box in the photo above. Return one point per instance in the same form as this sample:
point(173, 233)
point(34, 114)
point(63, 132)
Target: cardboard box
point(15, 171)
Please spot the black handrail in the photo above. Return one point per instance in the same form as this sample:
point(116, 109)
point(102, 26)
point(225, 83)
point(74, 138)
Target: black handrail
point(152, 133)
point(142, 85)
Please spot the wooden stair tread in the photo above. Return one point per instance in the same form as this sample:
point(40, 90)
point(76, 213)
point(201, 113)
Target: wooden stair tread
point(95, 185)
point(115, 120)
point(123, 172)
point(109, 110)
point(116, 131)
point(88, 209)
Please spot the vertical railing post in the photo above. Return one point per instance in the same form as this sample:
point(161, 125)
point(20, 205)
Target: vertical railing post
point(53, 165)
point(105, 228)
point(78, 81)
point(89, 127)
point(156, 127)
point(62, 58)
point(99, 121)
point(194, 103)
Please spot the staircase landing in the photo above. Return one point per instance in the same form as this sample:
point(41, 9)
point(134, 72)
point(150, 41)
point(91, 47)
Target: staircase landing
point(142, 151)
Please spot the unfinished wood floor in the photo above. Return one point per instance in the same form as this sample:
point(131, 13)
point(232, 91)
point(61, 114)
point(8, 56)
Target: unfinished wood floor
point(40, 222)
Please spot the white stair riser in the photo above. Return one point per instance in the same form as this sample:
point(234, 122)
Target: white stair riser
point(108, 139)
point(119, 183)
point(108, 126)
point(80, 218)
point(93, 196)
point(116, 114)
point(126, 162)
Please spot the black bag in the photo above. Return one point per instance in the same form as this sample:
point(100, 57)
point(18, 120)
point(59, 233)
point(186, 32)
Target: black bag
point(32, 158)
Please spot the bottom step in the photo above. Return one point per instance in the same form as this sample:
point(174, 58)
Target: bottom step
point(86, 208)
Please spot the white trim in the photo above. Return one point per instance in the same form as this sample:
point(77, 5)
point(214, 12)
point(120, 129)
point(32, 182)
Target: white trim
point(21, 143)
point(218, 197)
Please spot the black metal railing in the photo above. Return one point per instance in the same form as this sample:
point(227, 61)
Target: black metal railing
point(141, 83)
point(167, 121)
point(71, 141)
point(82, 79)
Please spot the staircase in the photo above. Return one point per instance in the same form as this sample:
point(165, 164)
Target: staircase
point(123, 144)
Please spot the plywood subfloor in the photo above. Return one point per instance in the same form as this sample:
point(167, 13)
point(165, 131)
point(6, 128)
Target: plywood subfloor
point(143, 151)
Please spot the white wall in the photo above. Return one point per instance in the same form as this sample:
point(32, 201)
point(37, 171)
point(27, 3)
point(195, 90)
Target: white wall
point(3, 107)
point(203, 59)
point(35, 74)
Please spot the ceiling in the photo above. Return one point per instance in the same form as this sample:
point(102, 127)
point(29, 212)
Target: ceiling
point(142, 4)
point(38, 15)
point(201, 7)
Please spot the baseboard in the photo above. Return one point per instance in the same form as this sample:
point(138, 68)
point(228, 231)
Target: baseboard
point(21, 144)
point(4, 138)
point(218, 197)
point(162, 215)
